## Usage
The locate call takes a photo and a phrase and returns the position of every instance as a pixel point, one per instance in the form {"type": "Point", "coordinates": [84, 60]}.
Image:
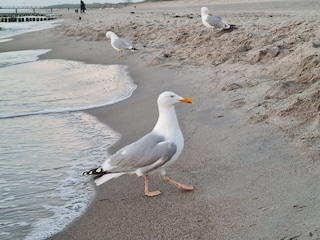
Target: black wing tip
{"type": "Point", "coordinates": [93, 171]}
{"type": "Point", "coordinates": [87, 173]}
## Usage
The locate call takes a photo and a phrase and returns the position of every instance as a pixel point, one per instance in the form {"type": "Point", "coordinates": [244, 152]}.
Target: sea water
{"type": "Point", "coordinates": [47, 141]}
{"type": "Point", "coordinates": [10, 29]}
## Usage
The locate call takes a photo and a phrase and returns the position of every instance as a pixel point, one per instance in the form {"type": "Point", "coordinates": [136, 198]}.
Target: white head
{"type": "Point", "coordinates": [204, 11]}
{"type": "Point", "coordinates": [168, 99]}
{"type": "Point", "coordinates": [167, 123]}
{"type": "Point", "coordinates": [110, 34]}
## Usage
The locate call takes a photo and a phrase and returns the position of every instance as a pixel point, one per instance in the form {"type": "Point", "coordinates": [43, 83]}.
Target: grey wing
{"type": "Point", "coordinates": [217, 22]}
{"type": "Point", "coordinates": [149, 150]}
{"type": "Point", "coordinates": [122, 44]}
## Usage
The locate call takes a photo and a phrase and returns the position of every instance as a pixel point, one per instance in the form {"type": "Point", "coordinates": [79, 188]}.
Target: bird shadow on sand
{"type": "Point", "coordinates": [224, 31]}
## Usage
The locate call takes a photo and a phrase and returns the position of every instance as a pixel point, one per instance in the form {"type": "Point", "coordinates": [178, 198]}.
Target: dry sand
{"type": "Point", "coordinates": [251, 137]}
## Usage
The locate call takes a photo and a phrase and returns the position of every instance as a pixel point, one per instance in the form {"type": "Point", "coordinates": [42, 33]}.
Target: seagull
{"type": "Point", "coordinates": [119, 44]}
{"type": "Point", "coordinates": [211, 21]}
{"type": "Point", "coordinates": [152, 153]}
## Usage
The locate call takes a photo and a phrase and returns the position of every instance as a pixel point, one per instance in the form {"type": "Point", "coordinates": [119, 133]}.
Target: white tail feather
{"type": "Point", "coordinates": [106, 178]}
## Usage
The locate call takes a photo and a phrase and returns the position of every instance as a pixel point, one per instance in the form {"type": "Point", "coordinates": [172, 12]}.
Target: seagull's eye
{"type": "Point", "coordinates": [171, 96]}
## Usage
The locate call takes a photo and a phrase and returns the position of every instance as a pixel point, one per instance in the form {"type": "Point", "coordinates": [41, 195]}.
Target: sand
{"type": "Point", "coordinates": [251, 137]}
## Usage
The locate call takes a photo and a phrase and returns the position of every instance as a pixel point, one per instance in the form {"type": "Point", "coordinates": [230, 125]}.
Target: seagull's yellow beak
{"type": "Point", "coordinates": [186, 100]}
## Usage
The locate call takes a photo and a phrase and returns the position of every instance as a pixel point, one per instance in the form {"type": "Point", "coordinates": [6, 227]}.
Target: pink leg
{"type": "Point", "coordinates": [146, 188]}
{"type": "Point", "coordinates": [178, 185]}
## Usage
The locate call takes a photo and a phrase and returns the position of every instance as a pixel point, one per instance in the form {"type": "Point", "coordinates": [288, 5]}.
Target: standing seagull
{"type": "Point", "coordinates": [119, 44]}
{"type": "Point", "coordinates": [211, 21]}
{"type": "Point", "coordinates": [151, 154]}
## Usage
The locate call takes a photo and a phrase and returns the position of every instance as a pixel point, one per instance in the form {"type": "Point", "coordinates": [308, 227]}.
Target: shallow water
{"type": "Point", "coordinates": [46, 142]}
{"type": "Point", "coordinates": [8, 30]}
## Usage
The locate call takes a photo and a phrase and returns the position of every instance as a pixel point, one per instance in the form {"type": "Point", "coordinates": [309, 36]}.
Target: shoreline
{"type": "Point", "coordinates": [251, 180]}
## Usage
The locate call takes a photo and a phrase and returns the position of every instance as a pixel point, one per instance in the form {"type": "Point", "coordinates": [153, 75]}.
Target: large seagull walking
{"type": "Point", "coordinates": [151, 154]}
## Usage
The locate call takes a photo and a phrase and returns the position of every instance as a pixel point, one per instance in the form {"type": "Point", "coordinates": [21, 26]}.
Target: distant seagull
{"type": "Point", "coordinates": [119, 44]}
{"type": "Point", "coordinates": [151, 154]}
{"type": "Point", "coordinates": [211, 21]}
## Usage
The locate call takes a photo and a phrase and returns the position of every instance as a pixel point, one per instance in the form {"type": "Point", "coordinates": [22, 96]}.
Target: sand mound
{"type": "Point", "coordinates": [274, 59]}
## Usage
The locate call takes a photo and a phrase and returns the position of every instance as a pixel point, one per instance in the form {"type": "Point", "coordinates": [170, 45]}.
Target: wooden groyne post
{"type": "Point", "coordinates": [21, 16]}
{"type": "Point", "coordinates": [13, 17]}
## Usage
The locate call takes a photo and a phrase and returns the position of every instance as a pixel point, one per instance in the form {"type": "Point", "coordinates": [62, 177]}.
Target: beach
{"type": "Point", "coordinates": [251, 136]}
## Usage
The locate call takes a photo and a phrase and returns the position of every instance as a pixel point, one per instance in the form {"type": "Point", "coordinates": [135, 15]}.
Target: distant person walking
{"type": "Point", "coordinates": [82, 7]}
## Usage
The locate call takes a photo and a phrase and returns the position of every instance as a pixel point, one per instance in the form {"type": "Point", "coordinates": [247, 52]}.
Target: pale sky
{"type": "Point", "coordinates": [35, 3]}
